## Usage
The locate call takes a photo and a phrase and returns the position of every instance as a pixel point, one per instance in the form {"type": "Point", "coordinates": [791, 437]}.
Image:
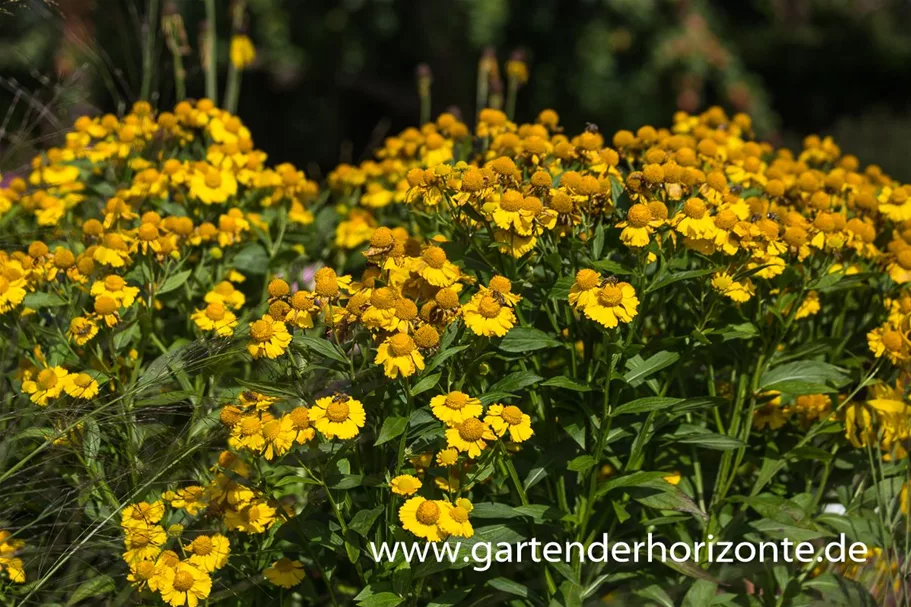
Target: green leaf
{"type": "Point", "coordinates": [392, 427]}
{"type": "Point", "coordinates": [672, 277]}
{"type": "Point", "coordinates": [633, 479]}
{"type": "Point", "coordinates": [252, 259]}
{"type": "Point", "coordinates": [515, 382]}
{"type": "Point", "coordinates": [37, 301]}
{"type": "Point", "coordinates": [567, 384]}
{"type": "Point", "coordinates": [363, 520]}
{"type": "Point", "coordinates": [382, 599]}
{"type": "Point", "coordinates": [646, 405]}
{"type": "Point", "coordinates": [708, 440]}
{"type": "Point", "coordinates": [442, 356]}
{"type": "Point", "coordinates": [612, 267]}
{"type": "Point", "coordinates": [173, 282]}
{"type": "Point", "coordinates": [662, 495]}
{"type": "Point", "coordinates": [639, 369]}
{"type": "Point", "coordinates": [527, 339]}
{"type": "Point", "coordinates": [598, 241]}
{"type": "Point", "coordinates": [657, 594]}
{"type": "Point", "coordinates": [321, 346]}
{"type": "Point", "coordinates": [803, 372]}
{"type": "Point", "coordinates": [700, 594]}
{"type": "Point", "coordinates": [581, 463]}
{"type": "Point", "coordinates": [425, 384]}
{"type": "Point", "coordinates": [508, 586]}
{"type": "Point", "coordinates": [91, 588]}
{"type": "Point", "coordinates": [451, 598]}
{"type": "Point", "coordinates": [561, 288]}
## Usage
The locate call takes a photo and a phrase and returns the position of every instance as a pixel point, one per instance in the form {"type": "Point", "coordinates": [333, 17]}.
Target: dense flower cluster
{"type": "Point", "coordinates": [474, 324]}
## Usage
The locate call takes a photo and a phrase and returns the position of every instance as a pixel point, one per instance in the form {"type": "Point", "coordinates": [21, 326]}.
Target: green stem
{"type": "Point", "coordinates": [151, 27]}
{"type": "Point", "coordinates": [212, 60]}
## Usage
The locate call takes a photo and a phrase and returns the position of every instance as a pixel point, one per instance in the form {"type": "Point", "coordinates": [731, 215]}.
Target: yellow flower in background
{"type": "Point", "coordinates": [252, 517]}
{"type": "Point", "coordinates": [81, 385]}
{"type": "Point", "coordinates": [13, 565]}
{"type": "Point", "coordinates": [809, 306]}
{"type": "Point", "coordinates": [399, 356]}
{"type": "Point", "coordinates": [183, 584]}
{"type": "Point", "coordinates": [338, 416]}
{"type": "Point", "coordinates": [285, 573]}
{"type": "Point", "coordinates": [636, 228]}
{"type": "Point", "coordinates": [210, 185]}
{"type": "Point", "coordinates": [242, 52]}
{"type": "Point", "coordinates": [193, 499]}
{"type": "Point", "coordinates": [300, 423]}
{"type": "Point", "coordinates": [141, 515]}
{"type": "Point", "coordinates": [279, 435]}
{"type": "Point", "coordinates": [509, 418]}
{"type": "Point", "coordinates": [405, 484]}
{"type": "Point", "coordinates": [82, 330]}
{"type": "Point", "coordinates": [455, 407]}
{"type": "Point", "coordinates": [11, 294]}
{"type": "Point", "coordinates": [486, 316]}
{"type": "Point", "coordinates": [614, 302]}
{"type": "Point", "coordinates": [47, 385]}
{"type": "Point", "coordinates": [737, 291]}
{"type": "Point", "coordinates": [454, 518]}
{"type": "Point", "coordinates": [269, 338]}
{"type": "Point", "coordinates": [215, 317]}
{"type": "Point", "coordinates": [117, 289]}
{"type": "Point", "coordinates": [434, 267]}
{"type": "Point", "coordinates": [420, 516]}
{"type": "Point", "coordinates": [143, 543]}
{"type": "Point", "coordinates": [209, 553]}
{"type": "Point", "coordinates": [471, 437]}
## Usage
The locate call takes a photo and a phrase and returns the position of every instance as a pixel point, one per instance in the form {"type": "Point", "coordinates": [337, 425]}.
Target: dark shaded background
{"type": "Point", "coordinates": [333, 78]}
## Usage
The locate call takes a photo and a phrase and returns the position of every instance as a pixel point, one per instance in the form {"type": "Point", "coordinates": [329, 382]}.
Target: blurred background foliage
{"type": "Point", "coordinates": [331, 79]}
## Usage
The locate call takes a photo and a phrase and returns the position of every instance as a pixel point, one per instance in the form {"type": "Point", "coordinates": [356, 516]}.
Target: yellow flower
{"type": "Point", "coordinates": [887, 341]}
{"type": "Point", "coordinates": [216, 318]}
{"type": "Point", "coordinates": [8, 549]}
{"type": "Point", "coordinates": [724, 283]}
{"type": "Point", "coordinates": [254, 517]}
{"type": "Point", "coordinates": [248, 433]}
{"type": "Point", "coordinates": [225, 293]}
{"type": "Point", "coordinates": [338, 416]}
{"type": "Point", "coordinates": [279, 435]}
{"type": "Point", "coordinates": [447, 457]}
{"type": "Point", "coordinates": [399, 356]}
{"type": "Point", "coordinates": [455, 407]}
{"type": "Point", "coordinates": [81, 385]}
{"type": "Point", "coordinates": [454, 518]}
{"type": "Point", "coordinates": [209, 553]}
{"type": "Point", "coordinates": [636, 228]}
{"type": "Point", "coordinates": [11, 294]}
{"type": "Point", "coordinates": [470, 437]}
{"type": "Point", "coordinates": [420, 516]}
{"type": "Point", "coordinates": [509, 418]}
{"type": "Point", "coordinates": [192, 499]}
{"type": "Point", "coordinates": [113, 251]}
{"type": "Point", "coordinates": [141, 515]}
{"type": "Point", "coordinates": [242, 52]}
{"type": "Point", "coordinates": [405, 484]}
{"type": "Point", "coordinates": [285, 573]}
{"type": "Point", "coordinates": [117, 289]}
{"type": "Point", "coordinates": [48, 385]}
{"type": "Point", "coordinates": [809, 306]}
{"type": "Point", "coordinates": [300, 423]}
{"type": "Point", "coordinates": [584, 291]}
{"type": "Point", "coordinates": [487, 317]}
{"type": "Point", "coordinates": [141, 573]}
{"type": "Point", "coordinates": [268, 337]}
{"type": "Point", "coordinates": [694, 221]}
{"type": "Point", "coordinates": [614, 303]}
{"type": "Point", "coordinates": [143, 543]}
{"type": "Point", "coordinates": [82, 330]}
{"type": "Point", "coordinates": [183, 585]}
{"type": "Point", "coordinates": [210, 185]}
{"type": "Point", "coordinates": [433, 267]}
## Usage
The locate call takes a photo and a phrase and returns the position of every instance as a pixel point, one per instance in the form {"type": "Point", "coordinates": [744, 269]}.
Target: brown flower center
{"type": "Point", "coordinates": [215, 311]}
{"type": "Point", "coordinates": [694, 208]}
{"type": "Point", "coordinates": [456, 400]}
{"type": "Point", "coordinates": [183, 581]}
{"type": "Point", "coordinates": [203, 546]}
{"type": "Point", "coordinates": [489, 307]}
{"type": "Point", "coordinates": [587, 279]}
{"type": "Point", "coordinates": [512, 415]}
{"type": "Point", "coordinates": [401, 344]}
{"type": "Point", "coordinates": [250, 426]}
{"type": "Point", "coordinates": [113, 283]}
{"type": "Point", "coordinates": [892, 340]}
{"type": "Point", "coordinates": [471, 430]}
{"type": "Point", "coordinates": [428, 513]}
{"type": "Point", "coordinates": [459, 514]}
{"type": "Point", "coordinates": [337, 412]}
{"type": "Point", "coordinates": [639, 215]}
{"type": "Point", "coordinates": [435, 257]}
{"type": "Point", "coordinates": [261, 330]}
{"type": "Point", "coordinates": [610, 295]}
{"type": "Point", "coordinates": [47, 379]}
